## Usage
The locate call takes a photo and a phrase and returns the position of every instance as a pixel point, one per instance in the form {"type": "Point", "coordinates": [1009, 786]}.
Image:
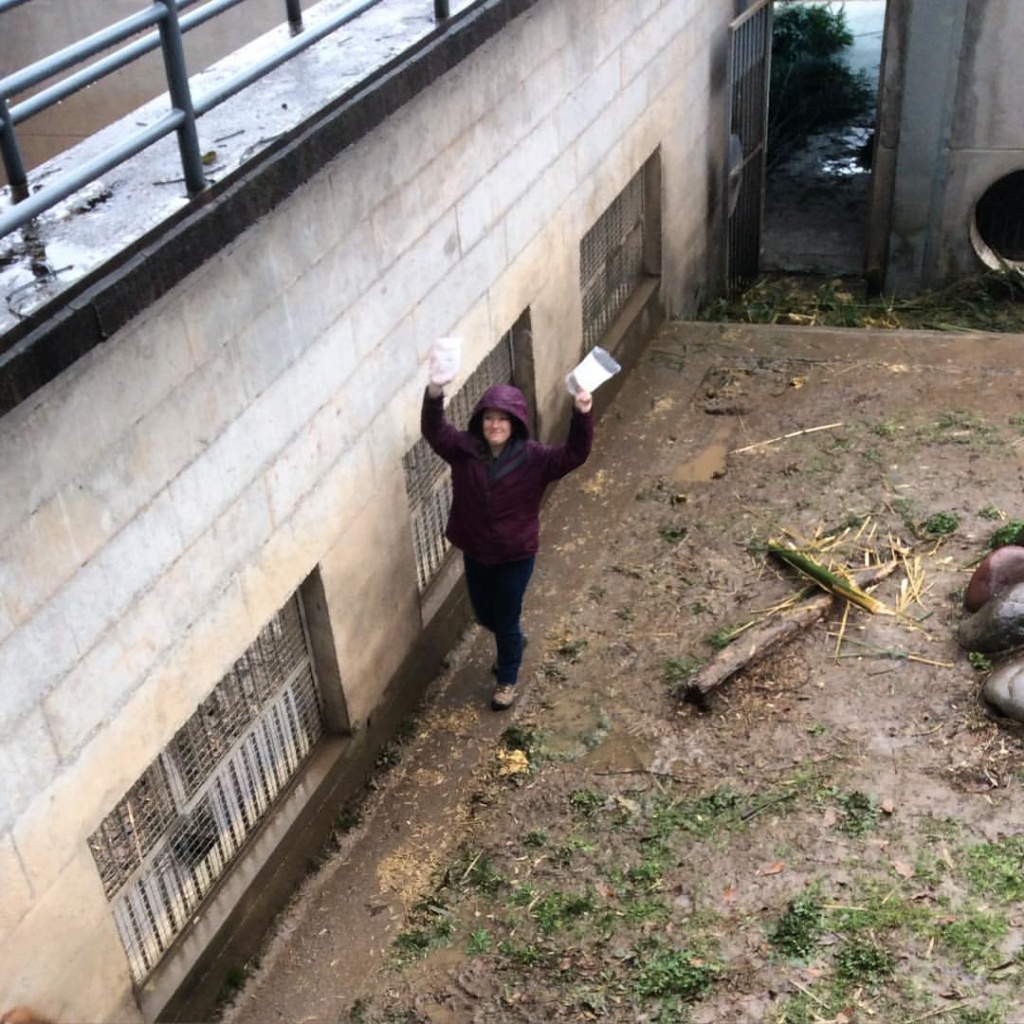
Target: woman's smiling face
{"type": "Point", "coordinates": [497, 426]}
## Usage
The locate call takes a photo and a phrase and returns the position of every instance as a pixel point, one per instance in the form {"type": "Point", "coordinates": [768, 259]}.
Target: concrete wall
{"type": "Point", "coordinates": [950, 127]}
{"type": "Point", "coordinates": [39, 29]}
{"type": "Point", "coordinates": [165, 495]}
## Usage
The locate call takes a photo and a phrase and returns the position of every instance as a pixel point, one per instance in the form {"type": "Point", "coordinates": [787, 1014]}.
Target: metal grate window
{"type": "Point", "coordinates": [428, 483]}
{"type": "Point", "coordinates": [162, 848]}
{"type": "Point", "coordinates": [612, 260]}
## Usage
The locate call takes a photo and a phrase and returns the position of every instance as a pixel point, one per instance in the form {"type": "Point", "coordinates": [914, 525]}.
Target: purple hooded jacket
{"type": "Point", "coordinates": [495, 514]}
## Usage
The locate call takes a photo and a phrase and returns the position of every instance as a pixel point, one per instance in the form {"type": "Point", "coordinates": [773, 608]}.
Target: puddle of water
{"type": "Point", "coordinates": [707, 465]}
{"type": "Point", "coordinates": [577, 727]}
{"type": "Point", "coordinates": [619, 752]}
{"type": "Point", "coordinates": [573, 725]}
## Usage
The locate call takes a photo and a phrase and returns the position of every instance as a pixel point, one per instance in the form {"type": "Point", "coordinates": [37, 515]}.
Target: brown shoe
{"type": "Point", "coordinates": [504, 696]}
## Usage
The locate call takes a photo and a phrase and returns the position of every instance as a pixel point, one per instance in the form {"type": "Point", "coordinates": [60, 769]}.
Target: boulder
{"type": "Point", "coordinates": [1004, 690]}
{"type": "Point", "coordinates": [997, 626]}
{"type": "Point", "coordinates": [998, 571]}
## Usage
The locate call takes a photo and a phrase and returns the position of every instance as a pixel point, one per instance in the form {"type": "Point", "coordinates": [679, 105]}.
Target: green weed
{"type": "Point", "coordinates": [673, 534]}
{"type": "Point", "coordinates": [981, 1015]}
{"type": "Point", "coordinates": [860, 813]}
{"type": "Point", "coordinates": [557, 909]}
{"type": "Point", "coordinates": [348, 818]}
{"type": "Point", "coordinates": [975, 937]}
{"type": "Point", "coordinates": [997, 869]}
{"type": "Point", "coordinates": [862, 962]}
{"type": "Point", "coordinates": [700, 816]}
{"type": "Point", "coordinates": [522, 955]}
{"type": "Point", "coordinates": [476, 872]}
{"type": "Point", "coordinates": [680, 973]}
{"type": "Point", "coordinates": [571, 650]}
{"type": "Point", "coordinates": [585, 802]}
{"type": "Point", "coordinates": [415, 943]}
{"type": "Point", "coordinates": [978, 661]}
{"type": "Point", "coordinates": [679, 670]}
{"type": "Point", "coordinates": [941, 524]}
{"type": "Point", "coordinates": [797, 932]}
{"type": "Point", "coordinates": [1009, 533]}
{"type": "Point", "coordinates": [479, 942]}
{"type": "Point", "coordinates": [723, 637]}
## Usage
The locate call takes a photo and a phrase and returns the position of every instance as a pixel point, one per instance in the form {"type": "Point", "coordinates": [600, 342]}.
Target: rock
{"type": "Point", "coordinates": [998, 571]}
{"type": "Point", "coordinates": [997, 626]}
{"type": "Point", "coordinates": [1004, 690]}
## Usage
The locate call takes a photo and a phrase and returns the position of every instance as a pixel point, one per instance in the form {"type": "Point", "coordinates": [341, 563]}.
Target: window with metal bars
{"type": "Point", "coordinates": [612, 260]}
{"type": "Point", "coordinates": [428, 483]}
{"type": "Point", "coordinates": [163, 847]}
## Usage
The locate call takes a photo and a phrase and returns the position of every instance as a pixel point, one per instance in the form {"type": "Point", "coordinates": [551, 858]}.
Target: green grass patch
{"type": "Point", "coordinates": [997, 869]}
{"type": "Point", "coordinates": [859, 813]}
{"type": "Point", "coordinates": [682, 973]}
{"type": "Point", "coordinates": [1011, 532]}
{"type": "Point", "coordinates": [796, 934]}
{"type": "Point", "coordinates": [679, 670]}
{"type": "Point", "coordinates": [415, 943]}
{"type": "Point", "coordinates": [479, 941]}
{"type": "Point", "coordinates": [558, 909]}
{"type": "Point", "coordinates": [866, 963]}
{"type": "Point", "coordinates": [974, 936]}
{"type": "Point", "coordinates": [941, 524]}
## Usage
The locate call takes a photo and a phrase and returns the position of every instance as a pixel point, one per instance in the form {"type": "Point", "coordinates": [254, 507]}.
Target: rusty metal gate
{"type": "Point", "coordinates": [750, 48]}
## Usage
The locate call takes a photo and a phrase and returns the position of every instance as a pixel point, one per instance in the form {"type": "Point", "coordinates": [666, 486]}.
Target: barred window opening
{"type": "Point", "coordinates": [428, 484]}
{"type": "Point", "coordinates": [612, 260]}
{"type": "Point", "coordinates": [164, 846]}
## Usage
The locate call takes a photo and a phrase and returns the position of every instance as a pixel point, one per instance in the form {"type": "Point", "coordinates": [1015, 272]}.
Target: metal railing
{"type": "Point", "coordinates": [185, 109]}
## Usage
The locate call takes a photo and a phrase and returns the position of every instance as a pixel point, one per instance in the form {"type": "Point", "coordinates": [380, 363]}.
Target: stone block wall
{"type": "Point", "coordinates": [166, 495]}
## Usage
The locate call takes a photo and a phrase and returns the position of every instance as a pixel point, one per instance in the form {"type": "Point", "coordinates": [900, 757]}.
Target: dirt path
{"type": "Point", "coordinates": [834, 838]}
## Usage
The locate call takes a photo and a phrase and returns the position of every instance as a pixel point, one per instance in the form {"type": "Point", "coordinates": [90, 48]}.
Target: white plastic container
{"type": "Point", "coordinates": [445, 359]}
{"type": "Point", "coordinates": [597, 367]}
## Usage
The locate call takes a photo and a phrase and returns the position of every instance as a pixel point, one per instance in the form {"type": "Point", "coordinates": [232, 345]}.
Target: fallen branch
{"type": "Point", "coordinates": [760, 641]}
{"type": "Point", "coordinates": [783, 437]}
{"type": "Point", "coordinates": [826, 579]}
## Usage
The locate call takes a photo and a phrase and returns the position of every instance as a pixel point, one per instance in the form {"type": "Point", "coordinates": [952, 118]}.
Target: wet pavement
{"type": "Point", "coordinates": [87, 230]}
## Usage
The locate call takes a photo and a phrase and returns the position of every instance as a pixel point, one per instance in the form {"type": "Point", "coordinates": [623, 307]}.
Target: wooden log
{"type": "Point", "coordinates": [758, 642]}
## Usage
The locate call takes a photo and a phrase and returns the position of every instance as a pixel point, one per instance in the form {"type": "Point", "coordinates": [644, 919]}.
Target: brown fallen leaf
{"type": "Point", "coordinates": [730, 893]}
{"type": "Point", "coordinates": [903, 869]}
{"type": "Point", "coordinates": [773, 869]}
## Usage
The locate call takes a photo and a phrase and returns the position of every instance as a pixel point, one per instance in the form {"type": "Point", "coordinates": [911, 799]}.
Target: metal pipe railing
{"type": "Point", "coordinates": [185, 109]}
{"type": "Point", "coordinates": [225, 91]}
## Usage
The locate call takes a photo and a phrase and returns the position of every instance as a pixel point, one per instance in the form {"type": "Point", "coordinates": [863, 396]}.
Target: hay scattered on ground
{"type": "Point", "coordinates": [989, 301]}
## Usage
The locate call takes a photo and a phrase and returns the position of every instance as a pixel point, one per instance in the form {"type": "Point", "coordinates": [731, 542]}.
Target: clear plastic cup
{"type": "Point", "coordinates": [445, 358]}
{"type": "Point", "coordinates": [597, 367]}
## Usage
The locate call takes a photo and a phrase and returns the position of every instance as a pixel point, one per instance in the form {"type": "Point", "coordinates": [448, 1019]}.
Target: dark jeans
{"type": "Point", "coordinates": [497, 595]}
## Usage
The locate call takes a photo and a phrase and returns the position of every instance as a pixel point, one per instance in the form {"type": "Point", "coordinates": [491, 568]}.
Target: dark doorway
{"type": "Point", "coordinates": [816, 193]}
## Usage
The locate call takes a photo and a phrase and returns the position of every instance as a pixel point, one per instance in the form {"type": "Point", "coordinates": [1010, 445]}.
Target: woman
{"type": "Point", "coordinates": [498, 480]}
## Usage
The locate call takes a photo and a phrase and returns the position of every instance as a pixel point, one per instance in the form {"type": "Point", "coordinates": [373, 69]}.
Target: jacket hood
{"type": "Point", "coordinates": [509, 400]}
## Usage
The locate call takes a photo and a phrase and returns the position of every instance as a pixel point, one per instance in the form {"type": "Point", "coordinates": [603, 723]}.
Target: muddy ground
{"type": "Point", "coordinates": [834, 836]}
